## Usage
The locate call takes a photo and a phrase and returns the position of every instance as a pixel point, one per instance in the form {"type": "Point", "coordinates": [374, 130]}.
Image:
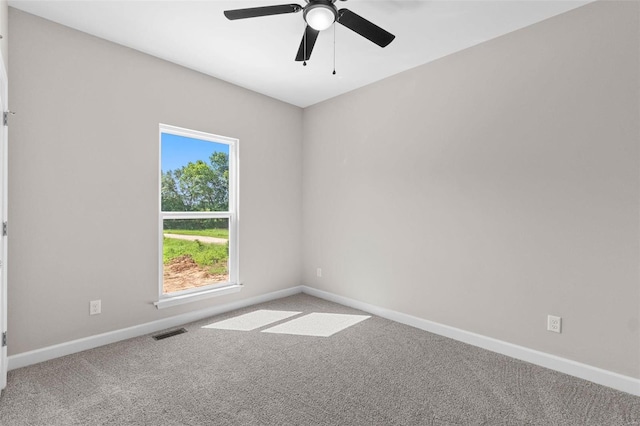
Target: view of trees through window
{"type": "Point", "coordinates": [195, 219]}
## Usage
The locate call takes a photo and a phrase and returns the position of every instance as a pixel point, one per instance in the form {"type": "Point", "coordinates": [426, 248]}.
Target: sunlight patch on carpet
{"type": "Point", "coordinates": [317, 324]}
{"type": "Point", "coordinates": [252, 320]}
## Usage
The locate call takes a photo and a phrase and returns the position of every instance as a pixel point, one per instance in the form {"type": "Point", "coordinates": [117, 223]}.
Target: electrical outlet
{"type": "Point", "coordinates": [554, 324]}
{"type": "Point", "coordinates": [95, 307]}
{"type": "Point", "coordinates": [319, 272]}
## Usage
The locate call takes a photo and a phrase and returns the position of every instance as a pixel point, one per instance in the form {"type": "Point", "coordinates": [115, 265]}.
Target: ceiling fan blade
{"type": "Point", "coordinates": [365, 28]}
{"type": "Point", "coordinates": [254, 12]}
{"type": "Point", "coordinates": [310, 36]}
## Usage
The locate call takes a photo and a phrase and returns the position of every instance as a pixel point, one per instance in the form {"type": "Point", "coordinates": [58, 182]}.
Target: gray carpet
{"type": "Point", "coordinates": [376, 372]}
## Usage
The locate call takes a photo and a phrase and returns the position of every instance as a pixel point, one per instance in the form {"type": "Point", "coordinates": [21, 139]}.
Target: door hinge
{"type": "Point", "coordinates": [4, 338]}
{"type": "Point", "coordinates": [5, 117]}
{"type": "Point", "coordinates": [4, 229]}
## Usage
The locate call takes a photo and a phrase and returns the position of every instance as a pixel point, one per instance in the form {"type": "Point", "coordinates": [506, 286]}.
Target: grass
{"type": "Point", "coordinates": [211, 256]}
{"type": "Point", "coordinates": [218, 233]}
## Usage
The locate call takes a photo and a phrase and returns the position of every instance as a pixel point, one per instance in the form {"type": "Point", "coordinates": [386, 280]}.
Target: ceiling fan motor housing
{"type": "Point", "coordinates": [320, 14]}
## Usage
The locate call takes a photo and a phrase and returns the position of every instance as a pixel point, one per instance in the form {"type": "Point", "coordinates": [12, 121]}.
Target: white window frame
{"type": "Point", "coordinates": [216, 289]}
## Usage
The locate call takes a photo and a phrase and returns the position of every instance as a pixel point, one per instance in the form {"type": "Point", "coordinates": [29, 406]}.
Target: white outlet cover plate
{"type": "Point", "coordinates": [554, 323]}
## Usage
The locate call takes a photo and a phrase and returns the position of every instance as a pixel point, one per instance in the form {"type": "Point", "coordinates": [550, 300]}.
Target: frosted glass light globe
{"type": "Point", "coordinates": [320, 17]}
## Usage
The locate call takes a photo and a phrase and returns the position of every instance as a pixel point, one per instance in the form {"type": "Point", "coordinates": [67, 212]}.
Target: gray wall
{"type": "Point", "coordinates": [4, 31]}
{"type": "Point", "coordinates": [491, 188]}
{"type": "Point", "coordinates": [84, 181]}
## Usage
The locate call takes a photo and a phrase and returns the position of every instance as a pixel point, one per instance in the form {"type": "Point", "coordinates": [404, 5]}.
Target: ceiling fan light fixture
{"type": "Point", "coordinates": [320, 16]}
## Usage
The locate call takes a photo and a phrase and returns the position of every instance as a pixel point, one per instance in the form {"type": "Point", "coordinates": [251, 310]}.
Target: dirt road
{"type": "Point", "coordinates": [201, 238]}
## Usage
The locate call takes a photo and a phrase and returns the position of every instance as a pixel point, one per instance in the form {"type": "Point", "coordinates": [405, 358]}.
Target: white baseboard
{"type": "Point", "coordinates": [594, 374]}
{"type": "Point", "coordinates": [583, 371]}
{"type": "Point", "coordinates": [44, 354]}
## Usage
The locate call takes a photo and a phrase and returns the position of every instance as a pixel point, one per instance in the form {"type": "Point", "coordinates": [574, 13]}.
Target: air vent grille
{"type": "Point", "coordinates": [169, 334]}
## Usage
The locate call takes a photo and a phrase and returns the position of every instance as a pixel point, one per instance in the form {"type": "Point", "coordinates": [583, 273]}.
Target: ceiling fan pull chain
{"type": "Point", "coordinates": [334, 48]}
{"type": "Point", "coordinates": [304, 62]}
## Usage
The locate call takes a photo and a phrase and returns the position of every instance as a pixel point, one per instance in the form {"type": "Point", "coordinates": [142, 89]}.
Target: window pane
{"type": "Point", "coordinates": [195, 174]}
{"type": "Point", "coordinates": [195, 253]}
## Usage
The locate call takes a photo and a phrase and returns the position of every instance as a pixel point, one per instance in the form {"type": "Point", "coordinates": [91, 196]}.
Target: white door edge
{"type": "Point", "coordinates": [4, 103]}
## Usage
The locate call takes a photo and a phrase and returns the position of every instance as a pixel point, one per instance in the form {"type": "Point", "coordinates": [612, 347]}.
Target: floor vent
{"type": "Point", "coordinates": [169, 334]}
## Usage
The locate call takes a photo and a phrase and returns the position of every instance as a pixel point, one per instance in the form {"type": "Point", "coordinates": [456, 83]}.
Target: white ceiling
{"type": "Point", "coordinates": [258, 53]}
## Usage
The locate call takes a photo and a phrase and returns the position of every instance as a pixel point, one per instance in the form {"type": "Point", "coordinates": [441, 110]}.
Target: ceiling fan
{"type": "Point", "coordinates": [319, 15]}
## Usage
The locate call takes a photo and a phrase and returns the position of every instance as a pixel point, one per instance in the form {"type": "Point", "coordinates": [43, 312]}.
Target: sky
{"type": "Point", "coordinates": [178, 151]}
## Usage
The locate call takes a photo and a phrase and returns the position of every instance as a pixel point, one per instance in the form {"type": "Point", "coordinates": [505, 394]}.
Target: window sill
{"type": "Point", "coordinates": [193, 297]}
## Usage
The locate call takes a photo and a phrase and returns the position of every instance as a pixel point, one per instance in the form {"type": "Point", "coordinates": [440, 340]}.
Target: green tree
{"type": "Point", "coordinates": [171, 199]}
{"type": "Point", "coordinates": [198, 186]}
{"type": "Point", "coordinates": [195, 183]}
{"type": "Point", "coordinates": [220, 183]}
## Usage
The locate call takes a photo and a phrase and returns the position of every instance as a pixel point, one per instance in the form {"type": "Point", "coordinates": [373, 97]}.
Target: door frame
{"type": "Point", "coordinates": [4, 165]}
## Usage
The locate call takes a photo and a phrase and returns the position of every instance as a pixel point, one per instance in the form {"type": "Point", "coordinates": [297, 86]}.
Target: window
{"type": "Point", "coordinates": [198, 215]}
